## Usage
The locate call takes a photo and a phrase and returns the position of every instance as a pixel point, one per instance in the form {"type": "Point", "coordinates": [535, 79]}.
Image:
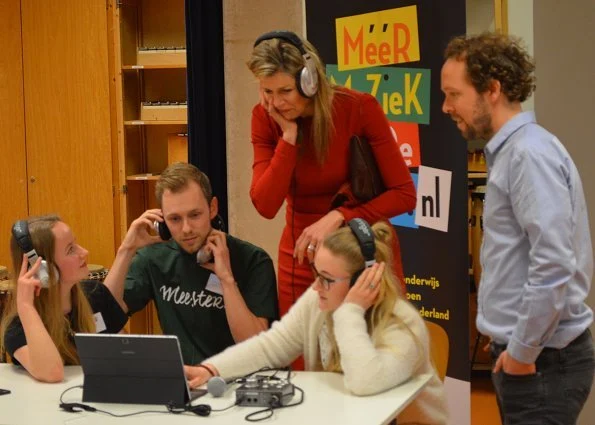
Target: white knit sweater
{"type": "Point", "coordinates": [366, 370]}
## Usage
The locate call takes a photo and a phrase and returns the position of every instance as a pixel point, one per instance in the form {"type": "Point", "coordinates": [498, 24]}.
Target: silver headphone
{"type": "Point", "coordinates": [307, 78]}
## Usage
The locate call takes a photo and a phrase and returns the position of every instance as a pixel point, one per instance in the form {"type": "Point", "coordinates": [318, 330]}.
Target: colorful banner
{"type": "Point", "coordinates": [378, 38]}
{"type": "Point", "coordinates": [404, 93]}
{"type": "Point", "coordinates": [393, 50]}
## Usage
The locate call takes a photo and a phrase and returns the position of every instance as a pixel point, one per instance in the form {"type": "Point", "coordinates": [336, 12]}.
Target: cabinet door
{"type": "Point", "coordinates": [67, 114]}
{"type": "Point", "coordinates": [13, 171]}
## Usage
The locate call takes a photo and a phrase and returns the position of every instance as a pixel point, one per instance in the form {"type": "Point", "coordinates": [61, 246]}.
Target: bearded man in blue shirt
{"type": "Point", "coordinates": [536, 255]}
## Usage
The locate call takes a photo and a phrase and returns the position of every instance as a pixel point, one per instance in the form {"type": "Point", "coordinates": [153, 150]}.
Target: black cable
{"type": "Point", "coordinates": [79, 407]}
{"type": "Point", "coordinates": [200, 409]}
{"type": "Point", "coordinates": [293, 190]}
{"type": "Point", "coordinates": [195, 408]}
{"type": "Point", "coordinates": [271, 409]}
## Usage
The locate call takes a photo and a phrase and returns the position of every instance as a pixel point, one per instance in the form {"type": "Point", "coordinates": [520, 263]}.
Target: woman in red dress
{"type": "Point", "coordinates": [300, 134]}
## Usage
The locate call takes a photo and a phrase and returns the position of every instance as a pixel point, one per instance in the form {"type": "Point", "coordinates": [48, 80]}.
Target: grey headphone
{"type": "Point", "coordinates": [306, 79]}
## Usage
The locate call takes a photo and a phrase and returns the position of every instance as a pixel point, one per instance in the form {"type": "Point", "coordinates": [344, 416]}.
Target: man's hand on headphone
{"type": "Point", "coordinates": [217, 243]}
{"type": "Point", "coordinates": [138, 234]}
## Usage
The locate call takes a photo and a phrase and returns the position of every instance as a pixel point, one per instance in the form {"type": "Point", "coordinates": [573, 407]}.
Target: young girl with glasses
{"type": "Point", "coordinates": [365, 331]}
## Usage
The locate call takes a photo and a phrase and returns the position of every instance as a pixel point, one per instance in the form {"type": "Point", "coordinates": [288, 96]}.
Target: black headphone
{"type": "Point", "coordinates": [20, 231]}
{"type": "Point", "coordinates": [365, 238]}
{"type": "Point", "coordinates": [306, 80]}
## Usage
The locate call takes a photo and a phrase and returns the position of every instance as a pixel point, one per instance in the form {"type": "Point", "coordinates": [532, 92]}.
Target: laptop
{"type": "Point", "coordinates": [137, 369]}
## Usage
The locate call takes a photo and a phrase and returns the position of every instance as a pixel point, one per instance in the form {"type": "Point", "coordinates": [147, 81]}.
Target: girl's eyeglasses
{"type": "Point", "coordinates": [325, 281]}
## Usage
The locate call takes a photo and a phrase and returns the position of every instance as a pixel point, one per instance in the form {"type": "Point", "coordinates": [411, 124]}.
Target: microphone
{"type": "Point", "coordinates": [216, 386]}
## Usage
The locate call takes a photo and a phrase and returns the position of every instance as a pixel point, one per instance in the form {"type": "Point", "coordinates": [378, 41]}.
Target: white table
{"type": "Point", "coordinates": [326, 402]}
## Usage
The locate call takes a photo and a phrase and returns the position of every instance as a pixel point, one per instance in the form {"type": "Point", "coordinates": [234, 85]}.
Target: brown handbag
{"type": "Point", "coordinates": [365, 180]}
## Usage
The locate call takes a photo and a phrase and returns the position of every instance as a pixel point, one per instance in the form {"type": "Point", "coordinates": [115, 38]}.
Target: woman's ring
{"type": "Point", "coordinates": [311, 247]}
{"type": "Point", "coordinates": [372, 286]}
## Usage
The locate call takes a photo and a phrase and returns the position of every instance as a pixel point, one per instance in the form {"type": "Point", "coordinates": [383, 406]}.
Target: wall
{"type": "Point", "coordinates": [565, 97]}
{"type": "Point", "coordinates": [520, 24]}
{"type": "Point", "coordinates": [480, 16]}
{"type": "Point", "coordinates": [243, 22]}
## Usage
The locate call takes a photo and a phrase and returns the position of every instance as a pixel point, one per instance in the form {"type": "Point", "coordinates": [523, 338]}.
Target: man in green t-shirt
{"type": "Point", "coordinates": [208, 305]}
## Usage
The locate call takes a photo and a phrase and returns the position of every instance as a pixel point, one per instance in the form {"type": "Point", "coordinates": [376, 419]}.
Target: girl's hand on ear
{"type": "Point", "coordinates": [367, 287]}
{"type": "Point", "coordinates": [28, 285]}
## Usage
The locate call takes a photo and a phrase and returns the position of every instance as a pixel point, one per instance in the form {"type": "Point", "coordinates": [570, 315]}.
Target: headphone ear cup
{"type": "Point", "coordinates": [298, 83]}
{"type": "Point", "coordinates": [163, 230]}
{"type": "Point", "coordinates": [217, 223]}
{"type": "Point", "coordinates": [354, 278]}
{"type": "Point", "coordinates": [307, 81]}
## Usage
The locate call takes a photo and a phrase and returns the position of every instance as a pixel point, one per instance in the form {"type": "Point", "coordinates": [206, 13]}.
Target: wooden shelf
{"type": "Point", "coordinates": [154, 122]}
{"type": "Point", "coordinates": [164, 66]}
{"type": "Point", "coordinates": [477, 175]}
{"type": "Point", "coordinates": [150, 62]}
{"type": "Point", "coordinates": [163, 113]}
{"type": "Point", "coordinates": [142, 177]}
{"type": "Point", "coordinates": [161, 57]}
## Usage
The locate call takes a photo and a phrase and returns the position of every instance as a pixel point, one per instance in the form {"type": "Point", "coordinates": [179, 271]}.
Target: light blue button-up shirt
{"type": "Point", "coordinates": [536, 254]}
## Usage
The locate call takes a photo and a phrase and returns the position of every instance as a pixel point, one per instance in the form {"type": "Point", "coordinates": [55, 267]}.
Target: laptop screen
{"type": "Point", "coordinates": [138, 369]}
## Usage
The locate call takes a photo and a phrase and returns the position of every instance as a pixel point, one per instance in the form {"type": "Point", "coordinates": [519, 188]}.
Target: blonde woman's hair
{"type": "Point", "coordinates": [381, 315]}
{"type": "Point", "coordinates": [278, 55]}
{"type": "Point", "coordinates": [48, 303]}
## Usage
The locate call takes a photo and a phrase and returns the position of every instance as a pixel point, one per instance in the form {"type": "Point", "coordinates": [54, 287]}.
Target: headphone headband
{"type": "Point", "coordinates": [20, 231]}
{"type": "Point", "coordinates": [365, 237]}
{"type": "Point", "coordinates": [288, 36]}
{"type": "Point", "coordinates": [307, 77]}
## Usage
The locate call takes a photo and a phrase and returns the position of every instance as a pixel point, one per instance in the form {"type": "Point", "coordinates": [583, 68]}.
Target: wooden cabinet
{"type": "Point", "coordinates": [56, 123]}
{"type": "Point", "coordinates": [13, 172]}
{"type": "Point", "coordinates": [151, 108]}
{"type": "Point", "coordinates": [151, 104]}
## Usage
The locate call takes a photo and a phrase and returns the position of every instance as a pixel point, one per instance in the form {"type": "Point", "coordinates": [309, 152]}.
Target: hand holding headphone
{"type": "Point", "coordinates": [367, 286]}
{"type": "Point", "coordinates": [365, 283]}
{"type": "Point", "coordinates": [29, 285]}
{"type": "Point", "coordinates": [139, 232]}
{"type": "Point", "coordinates": [216, 244]}
{"type": "Point", "coordinates": [20, 232]}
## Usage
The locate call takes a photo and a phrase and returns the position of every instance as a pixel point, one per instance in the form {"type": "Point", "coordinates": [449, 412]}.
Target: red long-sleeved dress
{"type": "Point", "coordinates": [284, 171]}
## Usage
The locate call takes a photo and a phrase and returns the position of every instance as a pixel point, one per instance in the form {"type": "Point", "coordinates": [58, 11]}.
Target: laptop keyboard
{"type": "Point", "coordinates": [196, 393]}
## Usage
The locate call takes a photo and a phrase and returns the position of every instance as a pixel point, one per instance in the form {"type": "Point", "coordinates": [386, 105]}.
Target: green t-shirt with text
{"type": "Point", "coordinates": [188, 297]}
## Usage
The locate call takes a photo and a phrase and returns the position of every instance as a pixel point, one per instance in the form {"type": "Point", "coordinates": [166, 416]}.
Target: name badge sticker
{"type": "Point", "coordinates": [214, 284]}
{"type": "Point", "coordinates": [99, 323]}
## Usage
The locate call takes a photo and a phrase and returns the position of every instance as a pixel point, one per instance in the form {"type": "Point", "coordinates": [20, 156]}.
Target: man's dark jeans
{"type": "Point", "coordinates": [555, 394]}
